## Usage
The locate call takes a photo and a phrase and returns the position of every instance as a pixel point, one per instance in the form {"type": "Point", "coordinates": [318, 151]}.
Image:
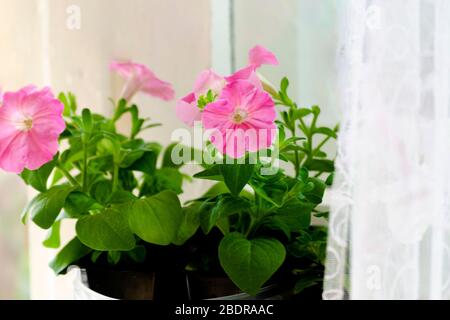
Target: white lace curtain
{"type": "Point", "coordinates": [389, 235]}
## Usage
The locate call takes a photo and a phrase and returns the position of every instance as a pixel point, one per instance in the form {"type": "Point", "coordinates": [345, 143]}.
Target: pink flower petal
{"type": "Point", "coordinates": [160, 89]}
{"type": "Point", "coordinates": [140, 78]}
{"type": "Point", "coordinates": [248, 73]}
{"type": "Point", "coordinates": [260, 55]}
{"type": "Point", "coordinates": [41, 148]}
{"type": "Point", "coordinates": [13, 156]}
{"type": "Point", "coordinates": [187, 110]}
{"type": "Point", "coordinates": [216, 115]}
{"type": "Point", "coordinates": [208, 80]}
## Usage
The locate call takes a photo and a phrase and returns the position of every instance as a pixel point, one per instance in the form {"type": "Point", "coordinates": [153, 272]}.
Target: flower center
{"type": "Point", "coordinates": [239, 116]}
{"type": "Point", "coordinates": [26, 124]}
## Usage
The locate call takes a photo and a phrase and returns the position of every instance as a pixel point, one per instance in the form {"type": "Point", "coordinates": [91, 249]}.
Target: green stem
{"type": "Point", "coordinates": [258, 204]}
{"type": "Point", "coordinates": [250, 227]}
{"type": "Point", "coordinates": [69, 177]}
{"type": "Point", "coordinates": [297, 157]}
{"type": "Point", "coordinates": [318, 174]}
{"type": "Point", "coordinates": [85, 167]}
{"type": "Point", "coordinates": [115, 177]}
{"type": "Point", "coordinates": [320, 145]}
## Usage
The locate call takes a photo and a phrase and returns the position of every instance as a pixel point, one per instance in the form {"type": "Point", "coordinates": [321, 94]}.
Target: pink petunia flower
{"type": "Point", "coordinates": [140, 78]}
{"type": "Point", "coordinates": [242, 119]}
{"type": "Point", "coordinates": [257, 57]}
{"type": "Point", "coordinates": [187, 109]}
{"type": "Point", "coordinates": [30, 124]}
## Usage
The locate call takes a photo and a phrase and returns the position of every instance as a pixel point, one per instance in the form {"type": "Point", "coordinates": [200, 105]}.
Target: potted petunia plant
{"type": "Point", "coordinates": [122, 197]}
{"type": "Point", "coordinates": [250, 235]}
{"type": "Point", "coordinates": [255, 235]}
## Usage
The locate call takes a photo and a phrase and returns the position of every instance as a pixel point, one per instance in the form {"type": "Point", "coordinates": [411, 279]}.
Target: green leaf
{"type": "Point", "coordinates": [130, 157]}
{"type": "Point", "coordinates": [213, 173]}
{"type": "Point", "coordinates": [250, 263]}
{"type": "Point", "coordinates": [315, 110]}
{"type": "Point", "coordinates": [72, 102]}
{"type": "Point", "coordinates": [156, 219]}
{"type": "Point", "coordinates": [120, 197]}
{"type": "Point", "coordinates": [284, 84]}
{"type": "Point", "coordinates": [306, 282]}
{"type": "Point", "coordinates": [78, 204]}
{"type": "Point", "coordinates": [38, 178]}
{"type": "Point", "coordinates": [236, 176]}
{"type": "Point", "coordinates": [114, 257]}
{"type": "Point", "coordinates": [273, 223]}
{"type": "Point", "coordinates": [95, 255]}
{"type": "Point", "coordinates": [189, 225]}
{"type": "Point", "coordinates": [136, 122]}
{"type": "Point", "coordinates": [46, 206]}
{"type": "Point", "coordinates": [226, 206]}
{"type": "Point", "coordinates": [302, 112]}
{"type": "Point", "coordinates": [106, 231]}
{"type": "Point", "coordinates": [296, 214]}
{"type": "Point", "coordinates": [263, 194]}
{"type": "Point", "coordinates": [326, 131]}
{"type": "Point", "coordinates": [217, 189]}
{"type": "Point", "coordinates": [71, 253]}
{"type": "Point", "coordinates": [88, 124]}
{"type": "Point", "coordinates": [315, 195]}
{"type": "Point", "coordinates": [62, 97]}
{"type": "Point", "coordinates": [146, 163]}
{"type": "Point", "coordinates": [101, 191]}
{"type": "Point", "coordinates": [167, 158]}
{"type": "Point", "coordinates": [329, 180]}
{"type": "Point", "coordinates": [52, 240]}
{"type": "Point", "coordinates": [163, 179]}
{"type": "Point", "coordinates": [320, 165]}
{"type": "Point", "coordinates": [138, 254]}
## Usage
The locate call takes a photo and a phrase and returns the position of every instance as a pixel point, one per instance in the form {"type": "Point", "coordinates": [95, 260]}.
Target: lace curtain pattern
{"type": "Point", "coordinates": [389, 233]}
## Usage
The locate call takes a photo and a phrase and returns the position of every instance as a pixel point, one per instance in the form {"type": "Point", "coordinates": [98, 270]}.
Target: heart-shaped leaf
{"type": "Point", "coordinates": [46, 206]}
{"type": "Point", "coordinates": [250, 263]}
{"type": "Point", "coordinates": [156, 219]}
{"type": "Point", "coordinates": [38, 178]}
{"type": "Point", "coordinates": [106, 231]}
{"type": "Point", "coordinates": [236, 176]}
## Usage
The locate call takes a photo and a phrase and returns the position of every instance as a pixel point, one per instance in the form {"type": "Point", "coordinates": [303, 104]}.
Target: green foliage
{"type": "Point", "coordinates": [236, 176]}
{"type": "Point", "coordinates": [106, 231]}
{"type": "Point", "coordinates": [156, 219]}
{"type": "Point", "coordinates": [250, 263]}
{"type": "Point", "coordinates": [38, 178]}
{"type": "Point", "coordinates": [189, 224]}
{"type": "Point", "coordinates": [70, 254]}
{"type": "Point", "coordinates": [46, 206]}
{"type": "Point", "coordinates": [272, 223]}
{"type": "Point", "coordinates": [112, 185]}
{"type": "Point", "coordinates": [204, 100]}
{"type": "Point", "coordinates": [122, 192]}
{"type": "Point", "coordinates": [53, 240]}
